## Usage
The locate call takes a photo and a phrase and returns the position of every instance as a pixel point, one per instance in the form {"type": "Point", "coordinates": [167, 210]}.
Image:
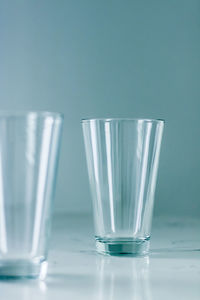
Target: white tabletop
{"type": "Point", "coordinates": [76, 271]}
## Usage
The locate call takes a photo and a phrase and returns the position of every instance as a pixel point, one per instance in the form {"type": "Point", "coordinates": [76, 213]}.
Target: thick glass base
{"type": "Point", "coordinates": [16, 269]}
{"type": "Point", "coordinates": [134, 247]}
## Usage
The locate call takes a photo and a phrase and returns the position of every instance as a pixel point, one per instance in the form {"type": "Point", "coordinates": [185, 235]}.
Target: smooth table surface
{"type": "Point", "coordinates": [76, 271]}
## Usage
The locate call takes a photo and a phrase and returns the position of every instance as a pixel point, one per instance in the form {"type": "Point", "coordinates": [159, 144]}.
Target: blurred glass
{"type": "Point", "coordinates": [29, 145]}
{"type": "Point", "coordinates": [122, 158]}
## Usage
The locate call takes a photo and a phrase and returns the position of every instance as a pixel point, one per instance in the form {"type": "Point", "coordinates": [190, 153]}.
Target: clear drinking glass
{"type": "Point", "coordinates": [29, 144]}
{"type": "Point", "coordinates": [122, 158]}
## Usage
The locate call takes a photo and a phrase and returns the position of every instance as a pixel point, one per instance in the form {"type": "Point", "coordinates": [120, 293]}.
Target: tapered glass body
{"type": "Point", "coordinates": [122, 158]}
{"type": "Point", "coordinates": [29, 145]}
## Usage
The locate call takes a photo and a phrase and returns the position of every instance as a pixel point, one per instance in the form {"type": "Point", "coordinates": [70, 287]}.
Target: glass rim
{"type": "Point", "coordinates": [122, 119]}
{"type": "Point", "coordinates": [25, 113]}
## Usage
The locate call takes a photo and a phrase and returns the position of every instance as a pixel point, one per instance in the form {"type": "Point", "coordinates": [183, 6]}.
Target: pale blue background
{"type": "Point", "coordinates": [92, 58]}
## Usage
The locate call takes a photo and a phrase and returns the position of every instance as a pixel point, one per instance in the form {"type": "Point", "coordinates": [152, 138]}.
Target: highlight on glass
{"type": "Point", "coordinates": [122, 159]}
{"type": "Point", "coordinates": [29, 148]}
